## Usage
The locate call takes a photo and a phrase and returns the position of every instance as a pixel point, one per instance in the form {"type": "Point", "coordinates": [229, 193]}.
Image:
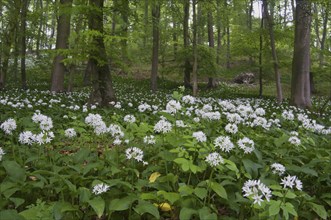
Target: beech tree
{"type": "Point", "coordinates": [300, 89]}
{"type": "Point", "coordinates": [156, 43]}
{"type": "Point", "coordinates": [63, 32]}
{"type": "Point", "coordinates": [102, 86]}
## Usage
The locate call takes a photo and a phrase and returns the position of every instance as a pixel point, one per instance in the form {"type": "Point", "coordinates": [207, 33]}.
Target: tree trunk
{"type": "Point", "coordinates": [125, 9]}
{"type": "Point", "coordinates": [260, 55]}
{"type": "Point", "coordinates": [156, 42]}
{"type": "Point", "coordinates": [187, 66]}
{"type": "Point", "coordinates": [24, 12]}
{"type": "Point", "coordinates": [62, 36]}
{"type": "Point", "coordinates": [228, 56]}
{"type": "Point", "coordinates": [324, 33]}
{"type": "Point", "coordinates": [41, 21]}
{"type": "Point", "coordinates": [270, 23]}
{"type": "Point", "coordinates": [211, 80]}
{"type": "Point", "coordinates": [300, 90]}
{"type": "Point", "coordinates": [145, 22]}
{"type": "Point", "coordinates": [218, 27]}
{"type": "Point", "coordinates": [102, 91]}
{"type": "Point", "coordinates": [195, 52]}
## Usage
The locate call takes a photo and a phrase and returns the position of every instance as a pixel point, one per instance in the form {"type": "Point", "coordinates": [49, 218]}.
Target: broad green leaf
{"type": "Point", "coordinates": [319, 210]}
{"type": "Point", "coordinates": [172, 197]}
{"type": "Point", "coordinates": [274, 207]}
{"type": "Point", "coordinates": [204, 214]}
{"type": "Point", "coordinates": [185, 190]}
{"type": "Point", "coordinates": [187, 213]}
{"type": "Point", "coordinates": [219, 190]}
{"type": "Point", "coordinates": [84, 194]}
{"type": "Point", "coordinates": [200, 192]}
{"type": "Point", "coordinates": [121, 204]}
{"type": "Point", "coordinates": [290, 195]}
{"type": "Point", "coordinates": [289, 208]}
{"type": "Point", "coordinates": [17, 201]}
{"type": "Point", "coordinates": [148, 196]}
{"type": "Point", "coordinates": [61, 207]}
{"type": "Point", "coordinates": [251, 167]}
{"type": "Point", "coordinates": [14, 170]}
{"type": "Point", "coordinates": [10, 215]}
{"type": "Point", "coordinates": [98, 205]}
{"type": "Point", "coordinates": [147, 207]}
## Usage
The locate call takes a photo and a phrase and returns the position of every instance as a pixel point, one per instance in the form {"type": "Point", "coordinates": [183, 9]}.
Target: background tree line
{"type": "Point", "coordinates": [186, 40]}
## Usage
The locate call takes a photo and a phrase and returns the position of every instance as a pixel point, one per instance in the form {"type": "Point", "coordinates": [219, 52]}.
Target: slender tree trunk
{"type": "Point", "coordinates": [293, 9]}
{"type": "Point", "coordinates": [102, 86]}
{"type": "Point", "coordinates": [41, 22]}
{"type": "Point", "coordinates": [260, 55]}
{"type": "Point", "coordinates": [25, 4]}
{"type": "Point", "coordinates": [195, 51]}
{"type": "Point", "coordinates": [218, 27]}
{"type": "Point", "coordinates": [227, 29]}
{"type": "Point", "coordinates": [125, 9]}
{"type": "Point", "coordinates": [145, 22]}
{"type": "Point", "coordinates": [211, 42]}
{"type": "Point", "coordinates": [300, 90]}
{"type": "Point", "coordinates": [187, 66]}
{"type": "Point", "coordinates": [324, 33]}
{"type": "Point", "coordinates": [270, 23]}
{"type": "Point", "coordinates": [174, 34]}
{"type": "Point", "coordinates": [156, 43]}
{"type": "Point", "coordinates": [63, 32]}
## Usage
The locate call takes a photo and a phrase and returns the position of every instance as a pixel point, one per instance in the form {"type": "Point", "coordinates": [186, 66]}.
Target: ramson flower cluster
{"type": "Point", "coordinates": [8, 126]}
{"type": "Point", "coordinates": [224, 143]}
{"type": "Point", "coordinates": [45, 122]}
{"type": "Point", "coordinates": [136, 154]}
{"type": "Point", "coordinates": [278, 169]}
{"type": "Point", "coordinates": [214, 159]}
{"type": "Point", "coordinates": [246, 144]}
{"type": "Point", "coordinates": [291, 181]}
{"type": "Point", "coordinates": [257, 191]}
{"type": "Point", "coordinates": [162, 126]}
{"type": "Point", "coordinates": [199, 136]}
{"type": "Point", "coordinates": [100, 188]}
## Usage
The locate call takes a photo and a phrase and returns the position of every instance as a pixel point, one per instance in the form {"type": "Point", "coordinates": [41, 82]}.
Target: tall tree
{"type": "Point", "coordinates": [24, 11]}
{"type": "Point", "coordinates": [156, 44]}
{"type": "Point", "coordinates": [270, 24]}
{"type": "Point", "coordinates": [187, 66]}
{"type": "Point", "coordinates": [300, 85]}
{"type": "Point", "coordinates": [211, 43]}
{"type": "Point", "coordinates": [195, 50]}
{"type": "Point", "coordinates": [62, 36]}
{"type": "Point", "coordinates": [102, 91]}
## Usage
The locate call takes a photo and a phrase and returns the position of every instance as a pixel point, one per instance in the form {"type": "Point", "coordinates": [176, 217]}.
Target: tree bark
{"type": "Point", "coordinates": [211, 43]}
{"type": "Point", "coordinates": [324, 33]}
{"type": "Point", "coordinates": [187, 66]}
{"type": "Point", "coordinates": [62, 36]}
{"type": "Point", "coordinates": [300, 89]}
{"type": "Point", "coordinates": [145, 22]}
{"type": "Point", "coordinates": [25, 4]}
{"type": "Point", "coordinates": [156, 42]}
{"type": "Point", "coordinates": [227, 29]}
{"type": "Point", "coordinates": [260, 55]}
{"type": "Point", "coordinates": [195, 51]}
{"type": "Point", "coordinates": [102, 86]}
{"type": "Point", "coordinates": [218, 27]}
{"type": "Point", "coordinates": [270, 24]}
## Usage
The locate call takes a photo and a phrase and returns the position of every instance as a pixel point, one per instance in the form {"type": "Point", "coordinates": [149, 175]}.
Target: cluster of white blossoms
{"type": "Point", "coordinates": [256, 190]}
{"type": "Point", "coordinates": [234, 118]}
{"type": "Point", "coordinates": [144, 107]}
{"type": "Point", "coordinates": [214, 159]}
{"type": "Point", "coordinates": [96, 122]}
{"type": "Point", "coordinates": [188, 99]}
{"type": "Point", "coordinates": [288, 115]}
{"type": "Point", "coordinates": [224, 143]}
{"type": "Point", "coordinates": [231, 128]}
{"type": "Point", "coordinates": [27, 137]}
{"type": "Point", "coordinates": [44, 121]}
{"type": "Point", "coordinates": [180, 124]}
{"type": "Point", "coordinates": [199, 136]}
{"type": "Point", "coordinates": [278, 169]}
{"type": "Point", "coordinates": [8, 126]}
{"type": "Point", "coordinates": [149, 139]}
{"type": "Point", "coordinates": [162, 126]}
{"type": "Point", "coordinates": [294, 140]}
{"type": "Point", "coordinates": [291, 181]}
{"type": "Point", "coordinates": [70, 133]}
{"type": "Point", "coordinates": [173, 107]}
{"type": "Point", "coordinates": [246, 144]}
{"type": "Point", "coordinates": [2, 152]}
{"type": "Point", "coordinates": [136, 154]}
{"type": "Point", "coordinates": [129, 118]}
{"type": "Point", "coordinates": [100, 188]}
